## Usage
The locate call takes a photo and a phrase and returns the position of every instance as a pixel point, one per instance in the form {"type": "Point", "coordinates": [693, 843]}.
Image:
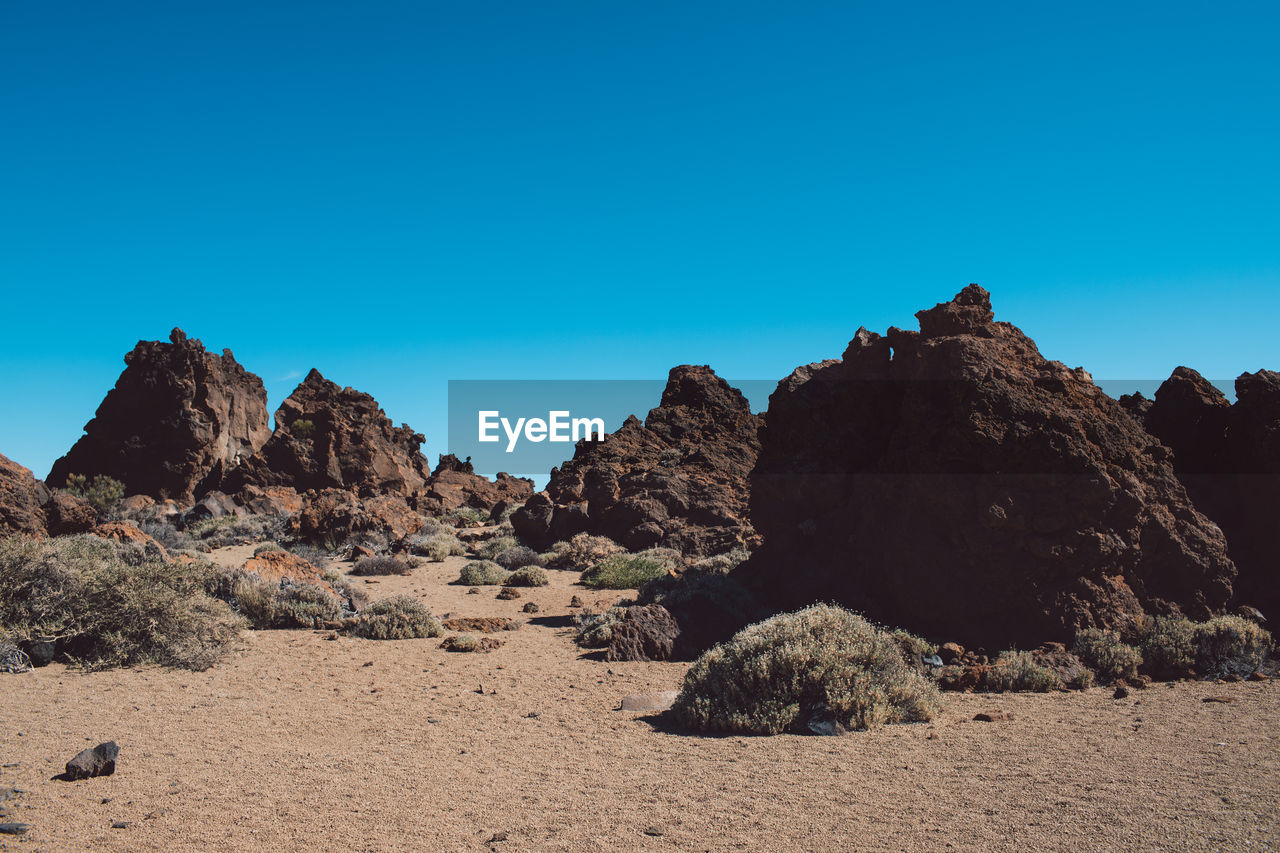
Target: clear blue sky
{"type": "Point", "coordinates": [400, 193]}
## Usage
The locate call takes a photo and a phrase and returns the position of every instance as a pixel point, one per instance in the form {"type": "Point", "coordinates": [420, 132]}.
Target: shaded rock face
{"type": "Point", "coordinates": [646, 633]}
{"type": "Point", "coordinates": [455, 484]}
{"type": "Point", "coordinates": [1228, 457]}
{"type": "Point", "coordinates": [29, 508]}
{"type": "Point", "coordinates": [956, 483]}
{"type": "Point", "coordinates": [332, 437]}
{"type": "Point", "coordinates": [335, 515]}
{"type": "Point", "coordinates": [177, 420]}
{"type": "Point", "coordinates": [678, 480]}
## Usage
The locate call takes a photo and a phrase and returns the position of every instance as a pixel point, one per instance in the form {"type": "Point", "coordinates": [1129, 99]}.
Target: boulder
{"type": "Point", "coordinates": [453, 485]}
{"type": "Point", "coordinates": [1228, 457]}
{"type": "Point", "coordinates": [677, 480]}
{"type": "Point", "coordinates": [127, 533]}
{"type": "Point", "coordinates": [956, 483]}
{"type": "Point", "coordinates": [645, 633]}
{"type": "Point", "coordinates": [334, 515]}
{"type": "Point", "coordinates": [277, 566]}
{"type": "Point", "coordinates": [177, 420]}
{"type": "Point", "coordinates": [329, 437]}
{"type": "Point", "coordinates": [29, 508]}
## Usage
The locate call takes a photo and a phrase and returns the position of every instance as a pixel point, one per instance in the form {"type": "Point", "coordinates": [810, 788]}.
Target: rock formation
{"type": "Point", "coordinates": [177, 420]}
{"type": "Point", "coordinates": [954, 482]}
{"type": "Point", "coordinates": [29, 508]}
{"type": "Point", "coordinates": [454, 484]}
{"type": "Point", "coordinates": [1228, 457]}
{"type": "Point", "coordinates": [678, 480]}
{"type": "Point", "coordinates": [332, 437]}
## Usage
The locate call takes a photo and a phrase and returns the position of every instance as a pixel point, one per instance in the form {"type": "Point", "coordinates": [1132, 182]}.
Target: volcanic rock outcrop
{"type": "Point", "coordinates": [1228, 457]}
{"type": "Point", "coordinates": [327, 437]}
{"type": "Point", "coordinates": [954, 482]}
{"type": "Point", "coordinates": [28, 507]}
{"type": "Point", "coordinates": [177, 420]}
{"type": "Point", "coordinates": [455, 484]}
{"type": "Point", "coordinates": [678, 480]}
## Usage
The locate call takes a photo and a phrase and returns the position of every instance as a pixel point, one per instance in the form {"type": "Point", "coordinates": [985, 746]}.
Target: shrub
{"type": "Point", "coordinates": [1017, 671]}
{"type": "Point", "coordinates": [504, 518]}
{"type": "Point", "coordinates": [482, 573]}
{"type": "Point", "coordinates": [396, 618]}
{"type": "Point", "coordinates": [303, 427]}
{"type": "Point", "coordinates": [623, 571]}
{"type": "Point", "coordinates": [469, 516]}
{"type": "Point", "coordinates": [266, 547]}
{"type": "Point", "coordinates": [236, 530]}
{"type": "Point", "coordinates": [381, 566]}
{"type": "Point", "coordinates": [1168, 647]}
{"type": "Point", "coordinates": [721, 564]}
{"type": "Point", "coordinates": [495, 546]}
{"type": "Point", "coordinates": [461, 643]}
{"type": "Point", "coordinates": [580, 553]}
{"type": "Point", "coordinates": [1103, 652]}
{"type": "Point", "coordinates": [771, 675]}
{"type": "Point", "coordinates": [518, 557]}
{"type": "Point", "coordinates": [914, 649]}
{"type": "Point", "coordinates": [594, 630]}
{"type": "Point", "coordinates": [304, 605]}
{"type": "Point", "coordinates": [528, 576]}
{"type": "Point", "coordinates": [435, 546]}
{"type": "Point", "coordinates": [104, 612]}
{"type": "Point", "coordinates": [1230, 645]}
{"type": "Point", "coordinates": [173, 539]}
{"type": "Point", "coordinates": [313, 554]}
{"type": "Point", "coordinates": [102, 492]}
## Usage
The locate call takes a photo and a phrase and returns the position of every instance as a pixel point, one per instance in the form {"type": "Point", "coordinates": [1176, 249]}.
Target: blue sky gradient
{"type": "Point", "coordinates": [403, 193]}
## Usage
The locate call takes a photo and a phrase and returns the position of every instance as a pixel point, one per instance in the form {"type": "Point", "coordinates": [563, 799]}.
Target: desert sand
{"type": "Point", "coordinates": [304, 740]}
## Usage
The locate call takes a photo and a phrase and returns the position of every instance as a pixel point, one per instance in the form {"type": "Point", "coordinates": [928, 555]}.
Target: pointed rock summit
{"type": "Point", "coordinates": [177, 420]}
{"type": "Point", "coordinates": [327, 436]}
{"type": "Point", "coordinates": [953, 481]}
{"type": "Point", "coordinates": [679, 479]}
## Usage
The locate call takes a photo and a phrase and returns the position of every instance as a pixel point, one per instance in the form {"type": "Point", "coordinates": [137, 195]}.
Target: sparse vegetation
{"type": "Point", "coordinates": [469, 516]}
{"type": "Point", "coordinates": [482, 573]}
{"type": "Point", "coordinates": [372, 566]}
{"type": "Point", "coordinates": [773, 674]}
{"type": "Point", "coordinates": [1018, 672]}
{"type": "Point", "coordinates": [722, 564]}
{"type": "Point", "coordinates": [595, 630]}
{"type": "Point", "coordinates": [235, 530]}
{"type": "Point", "coordinates": [102, 492]}
{"type": "Point", "coordinates": [1230, 645]}
{"type": "Point", "coordinates": [624, 571]}
{"type": "Point", "coordinates": [1104, 653]}
{"type": "Point", "coordinates": [914, 649]}
{"type": "Point", "coordinates": [1168, 647]}
{"type": "Point", "coordinates": [102, 611]}
{"type": "Point", "coordinates": [266, 547]}
{"type": "Point", "coordinates": [580, 553]}
{"type": "Point", "coordinates": [173, 539]}
{"type": "Point", "coordinates": [495, 546]}
{"type": "Point", "coordinates": [303, 427]}
{"type": "Point", "coordinates": [461, 643]}
{"type": "Point", "coordinates": [396, 618]}
{"type": "Point", "coordinates": [279, 605]}
{"type": "Point", "coordinates": [435, 546]}
{"type": "Point", "coordinates": [517, 557]}
{"type": "Point", "coordinates": [528, 576]}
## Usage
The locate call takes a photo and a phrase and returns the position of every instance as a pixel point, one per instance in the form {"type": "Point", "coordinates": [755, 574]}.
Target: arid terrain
{"type": "Point", "coordinates": [301, 741]}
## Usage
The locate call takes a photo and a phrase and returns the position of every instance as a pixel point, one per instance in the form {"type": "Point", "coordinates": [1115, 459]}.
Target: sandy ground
{"type": "Point", "coordinates": [301, 742]}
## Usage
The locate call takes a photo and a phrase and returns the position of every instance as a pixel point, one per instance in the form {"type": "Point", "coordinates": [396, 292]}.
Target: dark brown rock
{"type": "Point", "coordinates": [334, 515]}
{"type": "Point", "coordinates": [1228, 457]}
{"type": "Point", "coordinates": [99, 761]}
{"type": "Point", "coordinates": [29, 508]}
{"type": "Point", "coordinates": [646, 633]}
{"type": "Point", "coordinates": [177, 420]}
{"type": "Point", "coordinates": [678, 480]}
{"type": "Point", "coordinates": [329, 437]}
{"type": "Point", "coordinates": [956, 483]}
{"type": "Point", "coordinates": [65, 514]}
{"type": "Point", "coordinates": [453, 485]}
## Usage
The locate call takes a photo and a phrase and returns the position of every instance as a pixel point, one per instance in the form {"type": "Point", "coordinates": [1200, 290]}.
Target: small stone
{"type": "Point", "coordinates": [1221, 699]}
{"type": "Point", "coordinates": [508, 593]}
{"type": "Point", "coordinates": [99, 761]}
{"type": "Point", "coordinates": [530, 607]}
{"type": "Point", "coordinates": [475, 590]}
{"type": "Point", "coordinates": [575, 602]}
{"type": "Point", "coordinates": [992, 716]}
{"type": "Point", "coordinates": [650, 702]}
{"type": "Point", "coordinates": [1258, 676]}
{"type": "Point", "coordinates": [14, 828]}
{"type": "Point", "coordinates": [1122, 692]}
{"type": "Point", "coordinates": [496, 837]}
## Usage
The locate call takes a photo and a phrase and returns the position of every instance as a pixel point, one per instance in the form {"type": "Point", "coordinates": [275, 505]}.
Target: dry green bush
{"type": "Point", "coordinates": [267, 547]}
{"type": "Point", "coordinates": [594, 630]}
{"type": "Point", "coordinates": [1168, 647]}
{"type": "Point", "coordinates": [625, 571]}
{"type": "Point", "coordinates": [1104, 653]}
{"type": "Point", "coordinates": [435, 546]}
{"type": "Point", "coordinates": [462, 643]}
{"type": "Point", "coordinates": [518, 557]}
{"type": "Point", "coordinates": [721, 564]}
{"type": "Point", "coordinates": [467, 514]}
{"type": "Point", "coordinates": [580, 553]}
{"type": "Point", "coordinates": [528, 576]}
{"type": "Point", "coordinates": [236, 530]}
{"type": "Point", "coordinates": [1230, 645]}
{"type": "Point", "coordinates": [771, 674]}
{"type": "Point", "coordinates": [106, 611]}
{"type": "Point", "coordinates": [1018, 672]}
{"type": "Point", "coordinates": [396, 618]}
{"type": "Point", "coordinates": [375, 566]}
{"type": "Point", "coordinates": [280, 605]}
{"type": "Point", "coordinates": [482, 573]}
{"type": "Point", "coordinates": [493, 547]}
{"type": "Point", "coordinates": [102, 492]}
